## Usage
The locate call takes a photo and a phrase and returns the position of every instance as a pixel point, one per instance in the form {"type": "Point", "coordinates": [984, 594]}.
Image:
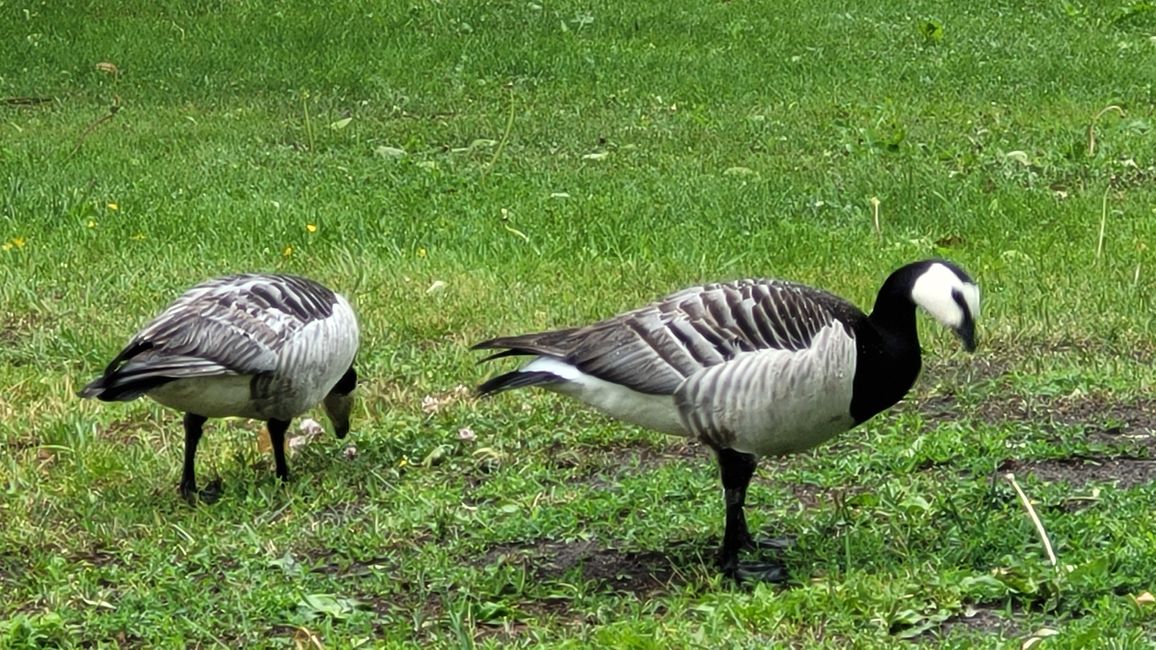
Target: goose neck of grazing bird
{"type": "Point", "coordinates": [889, 355]}
{"type": "Point", "coordinates": [894, 312]}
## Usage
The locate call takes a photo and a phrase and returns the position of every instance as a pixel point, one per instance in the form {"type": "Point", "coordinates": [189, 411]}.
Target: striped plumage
{"type": "Point", "coordinates": [267, 347]}
{"type": "Point", "coordinates": [750, 368]}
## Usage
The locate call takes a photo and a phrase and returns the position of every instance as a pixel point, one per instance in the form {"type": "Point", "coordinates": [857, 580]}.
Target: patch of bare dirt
{"type": "Point", "coordinates": [95, 555]}
{"type": "Point", "coordinates": [121, 431]}
{"type": "Point", "coordinates": [1098, 414]}
{"type": "Point", "coordinates": [601, 466]}
{"type": "Point", "coordinates": [336, 563]}
{"type": "Point", "coordinates": [15, 328]}
{"type": "Point", "coordinates": [16, 444]}
{"type": "Point", "coordinates": [813, 496]}
{"type": "Point", "coordinates": [354, 568]}
{"type": "Point", "coordinates": [964, 370]}
{"type": "Point", "coordinates": [1101, 416]}
{"type": "Point", "coordinates": [974, 619]}
{"type": "Point", "coordinates": [1125, 472]}
{"type": "Point", "coordinates": [630, 572]}
{"type": "Point", "coordinates": [995, 361]}
{"type": "Point", "coordinates": [342, 513]}
{"type": "Point", "coordinates": [807, 494]}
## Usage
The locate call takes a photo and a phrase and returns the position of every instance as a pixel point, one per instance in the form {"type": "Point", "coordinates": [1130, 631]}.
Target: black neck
{"type": "Point", "coordinates": [894, 312]}
{"type": "Point", "coordinates": [889, 355]}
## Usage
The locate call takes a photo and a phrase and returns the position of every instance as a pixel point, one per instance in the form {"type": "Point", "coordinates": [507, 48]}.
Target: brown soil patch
{"type": "Point", "coordinates": [1002, 358]}
{"type": "Point", "coordinates": [15, 328]}
{"type": "Point", "coordinates": [1122, 471]}
{"type": "Point", "coordinates": [1105, 418]}
{"type": "Point", "coordinates": [600, 466]}
{"type": "Point", "coordinates": [964, 370]}
{"type": "Point", "coordinates": [96, 555]}
{"type": "Point", "coordinates": [813, 496]}
{"type": "Point", "coordinates": [121, 431]}
{"type": "Point", "coordinates": [1098, 414]}
{"type": "Point", "coordinates": [354, 568]}
{"type": "Point", "coordinates": [974, 620]}
{"type": "Point", "coordinates": [807, 494]}
{"type": "Point", "coordinates": [630, 572]}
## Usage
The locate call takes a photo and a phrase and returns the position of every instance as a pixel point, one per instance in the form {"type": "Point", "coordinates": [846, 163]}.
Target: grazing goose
{"type": "Point", "coordinates": [267, 347]}
{"type": "Point", "coordinates": [751, 368]}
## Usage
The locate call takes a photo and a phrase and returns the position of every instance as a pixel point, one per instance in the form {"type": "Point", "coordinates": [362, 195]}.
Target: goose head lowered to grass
{"type": "Point", "coordinates": [267, 347]}
{"type": "Point", "coordinates": [751, 368]}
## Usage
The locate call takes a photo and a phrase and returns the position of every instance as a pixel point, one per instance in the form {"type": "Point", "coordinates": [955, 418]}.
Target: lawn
{"type": "Point", "coordinates": [463, 170]}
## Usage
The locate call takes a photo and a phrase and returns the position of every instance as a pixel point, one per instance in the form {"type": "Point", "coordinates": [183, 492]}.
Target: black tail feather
{"type": "Point", "coordinates": [111, 386]}
{"type": "Point", "coordinates": [504, 353]}
{"type": "Point", "coordinates": [556, 343]}
{"type": "Point", "coordinates": [118, 388]}
{"type": "Point", "coordinates": [517, 379]}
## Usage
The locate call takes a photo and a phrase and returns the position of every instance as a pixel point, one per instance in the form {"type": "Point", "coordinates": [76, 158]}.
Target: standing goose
{"type": "Point", "coordinates": [267, 347]}
{"type": "Point", "coordinates": [751, 368]}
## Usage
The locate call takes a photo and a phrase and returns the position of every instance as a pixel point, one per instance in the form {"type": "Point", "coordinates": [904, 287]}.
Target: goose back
{"type": "Point", "coordinates": [761, 366]}
{"type": "Point", "coordinates": [252, 345]}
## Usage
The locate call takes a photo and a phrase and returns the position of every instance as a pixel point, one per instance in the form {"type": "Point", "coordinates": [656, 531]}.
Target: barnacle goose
{"type": "Point", "coordinates": [267, 347]}
{"type": "Point", "coordinates": [751, 368]}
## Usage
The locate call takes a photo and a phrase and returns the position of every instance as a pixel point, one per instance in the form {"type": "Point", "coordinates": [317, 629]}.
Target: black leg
{"type": "Point", "coordinates": [737, 469]}
{"type": "Point", "coordinates": [277, 430]}
{"type": "Point", "coordinates": [194, 427]}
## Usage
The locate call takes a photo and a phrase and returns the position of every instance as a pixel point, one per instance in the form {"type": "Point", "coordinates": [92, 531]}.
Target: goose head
{"type": "Point", "coordinates": [339, 402]}
{"type": "Point", "coordinates": [946, 292]}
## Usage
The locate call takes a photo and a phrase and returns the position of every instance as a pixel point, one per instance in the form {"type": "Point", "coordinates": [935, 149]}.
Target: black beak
{"type": "Point", "coordinates": [966, 333]}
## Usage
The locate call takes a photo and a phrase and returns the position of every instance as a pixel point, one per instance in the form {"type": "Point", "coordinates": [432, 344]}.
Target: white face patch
{"type": "Point", "coordinates": [971, 297]}
{"type": "Point", "coordinates": [934, 291]}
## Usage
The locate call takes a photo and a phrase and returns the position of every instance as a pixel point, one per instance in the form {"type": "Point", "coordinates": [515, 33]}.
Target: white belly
{"type": "Point", "coordinates": [656, 412]}
{"type": "Point", "coordinates": [212, 397]}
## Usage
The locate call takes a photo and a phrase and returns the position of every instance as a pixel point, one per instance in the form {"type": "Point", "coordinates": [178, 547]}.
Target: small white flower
{"type": "Point", "coordinates": [466, 433]}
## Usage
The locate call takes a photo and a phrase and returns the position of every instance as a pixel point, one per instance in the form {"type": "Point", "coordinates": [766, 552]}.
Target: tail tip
{"type": "Point", "coordinates": [515, 379]}
{"type": "Point", "coordinates": [93, 389]}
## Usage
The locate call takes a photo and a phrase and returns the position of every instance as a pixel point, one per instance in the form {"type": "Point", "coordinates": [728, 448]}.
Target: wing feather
{"type": "Point", "coordinates": [233, 325]}
{"type": "Point", "coordinates": [656, 348]}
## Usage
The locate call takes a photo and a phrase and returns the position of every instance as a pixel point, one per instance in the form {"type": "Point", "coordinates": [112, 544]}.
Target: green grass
{"type": "Point", "coordinates": [564, 161]}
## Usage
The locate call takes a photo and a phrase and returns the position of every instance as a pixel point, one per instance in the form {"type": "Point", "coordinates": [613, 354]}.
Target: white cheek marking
{"type": "Point", "coordinates": [933, 290]}
{"type": "Point", "coordinates": [971, 296]}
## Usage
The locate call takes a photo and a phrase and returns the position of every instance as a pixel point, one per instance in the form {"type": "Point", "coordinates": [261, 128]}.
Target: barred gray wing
{"type": "Point", "coordinates": [654, 349]}
{"type": "Point", "coordinates": [231, 325]}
